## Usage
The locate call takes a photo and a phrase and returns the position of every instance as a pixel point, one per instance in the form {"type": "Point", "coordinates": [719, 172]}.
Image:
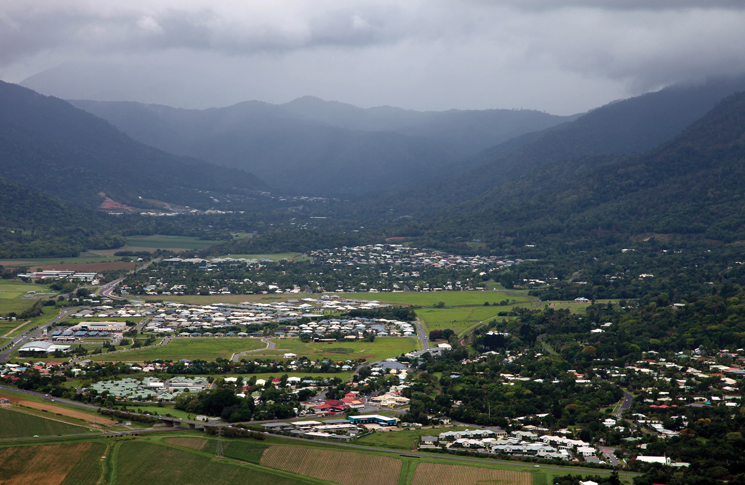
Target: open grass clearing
{"type": "Point", "coordinates": [406, 439]}
{"type": "Point", "coordinates": [449, 298]}
{"type": "Point", "coordinates": [459, 319]}
{"type": "Point", "coordinates": [16, 424]}
{"type": "Point", "coordinates": [142, 463]}
{"type": "Point", "coordinates": [573, 307]}
{"type": "Point", "coordinates": [199, 348]}
{"type": "Point", "coordinates": [381, 348]}
{"type": "Point", "coordinates": [346, 468]}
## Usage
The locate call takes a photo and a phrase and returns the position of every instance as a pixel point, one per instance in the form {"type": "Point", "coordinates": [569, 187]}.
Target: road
{"type": "Point", "coordinates": [625, 405]}
{"type": "Point", "coordinates": [269, 346]}
{"type": "Point", "coordinates": [21, 339]}
{"type": "Point", "coordinates": [423, 337]}
{"type": "Point", "coordinates": [609, 454]}
{"type": "Point", "coordinates": [107, 289]}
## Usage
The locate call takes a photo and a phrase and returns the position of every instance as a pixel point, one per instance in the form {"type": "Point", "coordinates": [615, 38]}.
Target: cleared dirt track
{"type": "Point", "coordinates": [60, 410]}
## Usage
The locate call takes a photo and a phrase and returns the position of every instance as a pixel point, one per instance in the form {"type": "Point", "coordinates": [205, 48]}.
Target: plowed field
{"type": "Point", "coordinates": [435, 474]}
{"type": "Point", "coordinates": [336, 466]}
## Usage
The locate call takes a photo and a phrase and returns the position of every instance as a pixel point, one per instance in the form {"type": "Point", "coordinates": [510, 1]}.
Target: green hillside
{"type": "Point", "coordinates": [691, 186]}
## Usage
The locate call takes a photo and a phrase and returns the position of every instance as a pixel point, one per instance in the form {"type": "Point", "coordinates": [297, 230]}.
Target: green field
{"type": "Point", "coordinates": [187, 348]}
{"type": "Point", "coordinates": [382, 348]}
{"type": "Point", "coordinates": [167, 242]}
{"type": "Point", "coordinates": [459, 318]}
{"type": "Point", "coordinates": [401, 440]}
{"type": "Point", "coordinates": [141, 463]}
{"type": "Point", "coordinates": [15, 424]}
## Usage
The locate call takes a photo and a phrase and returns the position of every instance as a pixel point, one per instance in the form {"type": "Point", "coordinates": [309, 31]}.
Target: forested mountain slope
{"type": "Point", "coordinates": [691, 186]}
{"type": "Point", "coordinates": [33, 225]}
{"type": "Point", "coordinates": [311, 146]}
{"type": "Point", "coordinates": [630, 126]}
{"type": "Point", "coordinates": [50, 145]}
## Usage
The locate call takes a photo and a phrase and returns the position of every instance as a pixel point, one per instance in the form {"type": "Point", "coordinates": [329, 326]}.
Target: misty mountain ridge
{"type": "Point", "coordinates": [49, 145]}
{"type": "Point", "coordinates": [311, 146]}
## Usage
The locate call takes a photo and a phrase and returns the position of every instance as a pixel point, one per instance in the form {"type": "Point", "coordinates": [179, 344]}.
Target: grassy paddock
{"type": "Point", "coordinates": [186, 348]}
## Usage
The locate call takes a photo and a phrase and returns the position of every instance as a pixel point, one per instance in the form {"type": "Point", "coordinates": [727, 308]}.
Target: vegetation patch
{"type": "Point", "coordinates": [435, 474]}
{"type": "Point", "coordinates": [340, 467]}
{"type": "Point", "coordinates": [40, 465]}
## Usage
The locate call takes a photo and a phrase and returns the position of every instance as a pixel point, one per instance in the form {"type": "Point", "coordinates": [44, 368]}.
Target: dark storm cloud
{"type": "Point", "coordinates": [385, 51]}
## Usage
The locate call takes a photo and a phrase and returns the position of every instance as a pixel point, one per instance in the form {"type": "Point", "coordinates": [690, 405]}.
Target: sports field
{"type": "Point", "coordinates": [15, 424]}
{"type": "Point", "coordinates": [449, 298]}
{"type": "Point", "coordinates": [186, 348]}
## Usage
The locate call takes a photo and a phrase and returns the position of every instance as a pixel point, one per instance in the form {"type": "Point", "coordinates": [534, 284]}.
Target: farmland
{"type": "Point", "coordinates": [140, 463]}
{"type": "Point", "coordinates": [46, 465]}
{"type": "Point", "coordinates": [191, 348]}
{"type": "Point", "coordinates": [436, 474]}
{"type": "Point", "coordinates": [341, 467]}
{"type": "Point", "coordinates": [15, 424]}
{"type": "Point", "coordinates": [187, 442]}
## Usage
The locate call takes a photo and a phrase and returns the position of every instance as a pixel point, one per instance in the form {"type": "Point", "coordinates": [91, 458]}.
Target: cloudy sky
{"type": "Point", "coordinates": [560, 56]}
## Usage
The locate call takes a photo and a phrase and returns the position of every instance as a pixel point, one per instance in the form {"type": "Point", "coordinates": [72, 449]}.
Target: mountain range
{"type": "Point", "coordinates": [315, 147]}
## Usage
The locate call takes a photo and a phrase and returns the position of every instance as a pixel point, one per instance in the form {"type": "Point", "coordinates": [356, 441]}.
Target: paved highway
{"type": "Point", "coordinates": [626, 404]}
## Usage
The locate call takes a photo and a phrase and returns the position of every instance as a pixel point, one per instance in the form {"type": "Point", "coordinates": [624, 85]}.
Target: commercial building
{"type": "Point", "coordinates": [373, 419]}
